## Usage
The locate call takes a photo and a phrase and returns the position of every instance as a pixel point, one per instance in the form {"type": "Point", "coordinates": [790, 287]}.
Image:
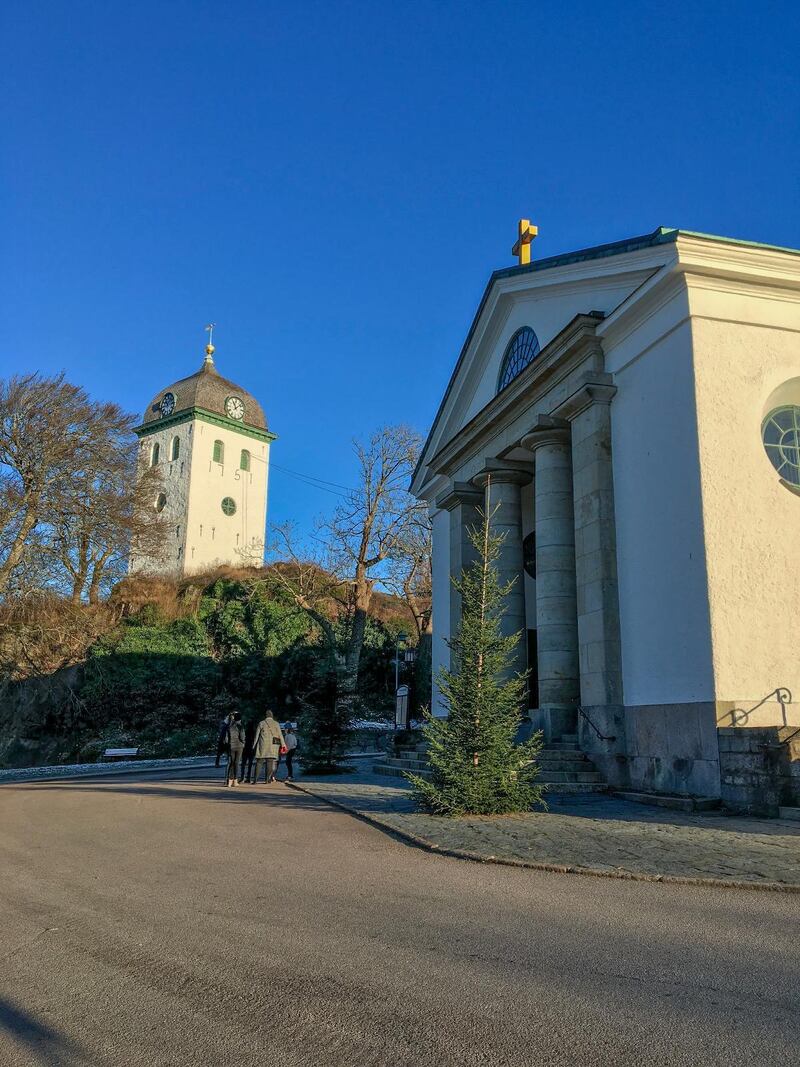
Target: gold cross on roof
{"type": "Point", "coordinates": [522, 248]}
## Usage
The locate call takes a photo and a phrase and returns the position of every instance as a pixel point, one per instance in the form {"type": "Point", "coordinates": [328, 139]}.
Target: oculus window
{"type": "Point", "coordinates": [161, 502]}
{"type": "Point", "coordinates": [522, 349]}
{"type": "Point", "coordinates": [228, 506]}
{"type": "Point", "coordinates": [780, 433]}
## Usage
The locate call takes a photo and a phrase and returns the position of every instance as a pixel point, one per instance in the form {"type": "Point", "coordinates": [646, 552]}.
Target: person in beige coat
{"type": "Point", "coordinates": [267, 747]}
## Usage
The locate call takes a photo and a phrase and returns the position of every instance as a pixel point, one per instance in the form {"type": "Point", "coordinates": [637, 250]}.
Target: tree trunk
{"type": "Point", "coordinates": [362, 595]}
{"type": "Point", "coordinates": [17, 549]}
{"type": "Point", "coordinates": [97, 577]}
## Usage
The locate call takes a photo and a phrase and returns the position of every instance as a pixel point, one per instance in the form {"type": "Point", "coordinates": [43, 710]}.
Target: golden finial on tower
{"type": "Point", "coordinates": [522, 248]}
{"type": "Point", "coordinates": [210, 347]}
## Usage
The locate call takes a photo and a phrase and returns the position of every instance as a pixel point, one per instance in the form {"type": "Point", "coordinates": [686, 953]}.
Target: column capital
{"type": "Point", "coordinates": [503, 470]}
{"type": "Point", "coordinates": [596, 389]}
{"type": "Point", "coordinates": [459, 493]}
{"type": "Point", "coordinates": [547, 431]}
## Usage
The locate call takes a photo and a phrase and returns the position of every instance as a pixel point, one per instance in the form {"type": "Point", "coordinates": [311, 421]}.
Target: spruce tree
{"type": "Point", "coordinates": [476, 767]}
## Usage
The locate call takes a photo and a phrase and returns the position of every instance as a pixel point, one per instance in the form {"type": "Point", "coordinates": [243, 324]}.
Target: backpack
{"type": "Point", "coordinates": [236, 734]}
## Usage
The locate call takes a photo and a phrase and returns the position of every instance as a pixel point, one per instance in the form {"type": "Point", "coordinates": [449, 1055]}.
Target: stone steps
{"type": "Point", "coordinates": [389, 771]}
{"type": "Point", "coordinates": [563, 768]}
{"type": "Point", "coordinates": [575, 777]}
{"type": "Point", "coordinates": [406, 764]}
{"type": "Point", "coordinates": [558, 788]}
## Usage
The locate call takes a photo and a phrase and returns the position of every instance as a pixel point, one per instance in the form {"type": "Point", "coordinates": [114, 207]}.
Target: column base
{"type": "Point", "coordinates": [554, 720]}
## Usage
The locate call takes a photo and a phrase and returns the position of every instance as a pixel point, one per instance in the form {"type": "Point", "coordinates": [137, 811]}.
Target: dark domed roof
{"type": "Point", "coordinates": [207, 389]}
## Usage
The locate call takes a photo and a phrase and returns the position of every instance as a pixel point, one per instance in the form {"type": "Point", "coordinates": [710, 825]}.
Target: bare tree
{"type": "Point", "coordinates": [68, 497]}
{"type": "Point", "coordinates": [109, 515]}
{"type": "Point", "coordinates": [409, 576]}
{"type": "Point", "coordinates": [364, 534]}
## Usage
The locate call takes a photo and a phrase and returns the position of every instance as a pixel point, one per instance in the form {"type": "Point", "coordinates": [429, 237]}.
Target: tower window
{"type": "Point", "coordinates": [161, 501]}
{"type": "Point", "coordinates": [244, 462]}
{"type": "Point", "coordinates": [228, 506]}
{"type": "Point", "coordinates": [175, 448]}
{"type": "Point", "coordinates": [219, 452]}
{"type": "Point", "coordinates": [155, 455]}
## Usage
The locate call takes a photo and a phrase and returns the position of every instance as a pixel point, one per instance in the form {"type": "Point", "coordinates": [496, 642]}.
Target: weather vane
{"type": "Point", "coordinates": [210, 345]}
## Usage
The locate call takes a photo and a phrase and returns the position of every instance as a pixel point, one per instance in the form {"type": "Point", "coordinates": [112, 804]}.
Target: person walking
{"type": "Point", "coordinates": [236, 738]}
{"type": "Point", "coordinates": [247, 755]}
{"type": "Point", "coordinates": [290, 738]}
{"type": "Point", "coordinates": [222, 738]}
{"type": "Point", "coordinates": [266, 748]}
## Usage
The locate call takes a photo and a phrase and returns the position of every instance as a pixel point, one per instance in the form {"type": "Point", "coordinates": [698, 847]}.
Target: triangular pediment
{"type": "Point", "coordinates": [546, 301]}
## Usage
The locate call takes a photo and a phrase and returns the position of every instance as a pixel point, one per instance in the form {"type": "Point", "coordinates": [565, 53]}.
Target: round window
{"type": "Point", "coordinates": [229, 505]}
{"type": "Point", "coordinates": [780, 433]}
{"type": "Point", "coordinates": [161, 502]}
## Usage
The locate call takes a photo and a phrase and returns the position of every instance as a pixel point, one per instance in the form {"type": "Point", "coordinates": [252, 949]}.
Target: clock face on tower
{"type": "Point", "coordinates": [167, 404]}
{"type": "Point", "coordinates": [234, 407]}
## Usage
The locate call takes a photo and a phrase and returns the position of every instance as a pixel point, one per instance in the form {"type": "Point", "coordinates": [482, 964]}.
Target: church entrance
{"type": "Point", "coordinates": [533, 669]}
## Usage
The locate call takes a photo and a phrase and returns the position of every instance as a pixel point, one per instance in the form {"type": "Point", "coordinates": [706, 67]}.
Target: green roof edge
{"type": "Point", "coordinates": [187, 414]}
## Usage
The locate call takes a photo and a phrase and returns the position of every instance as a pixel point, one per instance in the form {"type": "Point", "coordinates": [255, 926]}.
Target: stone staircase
{"type": "Point", "coordinates": [563, 768]}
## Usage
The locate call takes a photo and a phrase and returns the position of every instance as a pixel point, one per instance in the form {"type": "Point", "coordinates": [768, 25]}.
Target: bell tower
{"type": "Point", "coordinates": [210, 440]}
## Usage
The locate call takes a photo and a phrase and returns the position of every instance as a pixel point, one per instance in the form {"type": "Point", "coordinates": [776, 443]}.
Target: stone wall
{"type": "Point", "coordinates": [672, 748]}
{"type": "Point", "coordinates": [760, 768]}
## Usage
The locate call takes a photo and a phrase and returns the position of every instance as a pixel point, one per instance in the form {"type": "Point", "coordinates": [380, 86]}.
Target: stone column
{"type": "Point", "coordinates": [463, 502]}
{"type": "Point", "coordinates": [501, 485]}
{"type": "Point", "coordinates": [589, 412]}
{"type": "Point", "coordinates": [596, 552]}
{"type": "Point", "coordinates": [556, 606]}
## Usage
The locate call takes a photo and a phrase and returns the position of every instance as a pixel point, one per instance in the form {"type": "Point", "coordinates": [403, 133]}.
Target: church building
{"type": "Point", "coordinates": [210, 441]}
{"type": "Point", "coordinates": [629, 415]}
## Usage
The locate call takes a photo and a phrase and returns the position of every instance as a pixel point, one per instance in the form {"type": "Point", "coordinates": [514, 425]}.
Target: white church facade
{"type": "Point", "coordinates": [631, 413]}
{"type": "Point", "coordinates": [210, 441]}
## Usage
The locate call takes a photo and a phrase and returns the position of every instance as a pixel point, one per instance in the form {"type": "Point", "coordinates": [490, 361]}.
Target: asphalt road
{"type": "Point", "coordinates": [165, 920]}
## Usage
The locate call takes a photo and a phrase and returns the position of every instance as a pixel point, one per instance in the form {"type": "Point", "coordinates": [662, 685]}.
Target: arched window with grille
{"type": "Point", "coordinates": [521, 350]}
{"type": "Point", "coordinates": [244, 461]}
{"type": "Point", "coordinates": [219, 452]}
{"type": "Point", "coordinates": [155, 454]}
{"type": "Point", "coordinates": [175, 448]}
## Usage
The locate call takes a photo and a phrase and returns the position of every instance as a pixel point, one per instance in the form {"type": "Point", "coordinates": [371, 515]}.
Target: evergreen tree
{"type": "Point", "coordinates": [476, 767]}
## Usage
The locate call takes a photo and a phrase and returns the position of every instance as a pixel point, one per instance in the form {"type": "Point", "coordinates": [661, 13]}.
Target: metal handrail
{"type": "Point", "coordinates": [602, 737]}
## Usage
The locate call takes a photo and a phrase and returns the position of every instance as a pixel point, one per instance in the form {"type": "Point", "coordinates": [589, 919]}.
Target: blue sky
{"type": "Point", "coordinates": [333, 183]}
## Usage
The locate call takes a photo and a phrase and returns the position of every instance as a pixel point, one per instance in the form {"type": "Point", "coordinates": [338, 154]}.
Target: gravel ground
{"type": "Point", "coordinates": [596, 833]}
{"type": "Point", "coordinates": [169, 922]}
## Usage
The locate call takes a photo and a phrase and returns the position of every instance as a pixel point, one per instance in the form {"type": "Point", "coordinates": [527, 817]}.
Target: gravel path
{"type": "Point", "coordinates": [593, 833]}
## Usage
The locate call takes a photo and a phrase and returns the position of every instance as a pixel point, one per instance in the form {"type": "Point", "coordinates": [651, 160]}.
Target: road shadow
{"type": "Point", "coordinates": [42, 1043]}
{"type": "Point", "coordinates": [278, 796]}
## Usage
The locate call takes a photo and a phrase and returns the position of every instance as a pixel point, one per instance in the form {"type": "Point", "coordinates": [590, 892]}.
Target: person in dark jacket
{"type": "Point", "coordinates": [222, 738]}
{"type": "Point", "coordinates": [236, 738]}
{"type": "Point", "coordinates": [249, 745]}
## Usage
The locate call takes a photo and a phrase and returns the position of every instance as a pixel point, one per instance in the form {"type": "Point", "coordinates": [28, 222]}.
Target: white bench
{"type": "Point", "coordinates": [121, 753]}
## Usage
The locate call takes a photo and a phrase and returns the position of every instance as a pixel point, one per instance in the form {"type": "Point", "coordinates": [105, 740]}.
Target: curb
{"type": "Point", "coordinates": [550, 868]}
{"type": "Point", "coordinates": [108, 773]}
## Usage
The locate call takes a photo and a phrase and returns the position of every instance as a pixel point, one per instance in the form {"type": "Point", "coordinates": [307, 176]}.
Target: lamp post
{"type": "Point", "coordinates": [401, 639]}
